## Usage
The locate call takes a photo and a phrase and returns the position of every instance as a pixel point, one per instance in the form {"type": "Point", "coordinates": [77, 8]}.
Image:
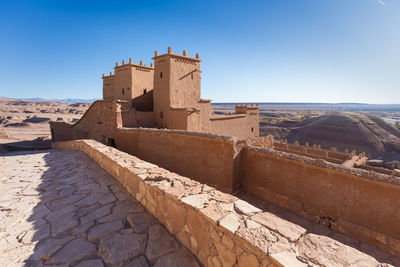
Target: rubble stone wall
{"type": "Point", "coordinates": [360, 207]}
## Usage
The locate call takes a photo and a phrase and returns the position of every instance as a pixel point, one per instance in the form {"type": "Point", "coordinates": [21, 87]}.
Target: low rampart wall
{"type": "Point", "coordinates": [329, 155]}
{"type": "Point", "coordinates": [61, 131]}
{"type": "Point", "coordinates": [358, 203]}
{"type": "Point", "coordinates": [190, 210]}
{"type": "Point", "coordinates": [209, 159]}
{"type": "Point", "coordinates": [98, 122]}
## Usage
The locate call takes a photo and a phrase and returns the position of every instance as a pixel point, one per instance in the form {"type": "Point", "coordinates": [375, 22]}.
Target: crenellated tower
{"type": "Point", "coordinates": [168, 95]}
{"type": "Point", "coordinates": [129, 81]}
{"type": "Point", "coordinates": [177, 83]}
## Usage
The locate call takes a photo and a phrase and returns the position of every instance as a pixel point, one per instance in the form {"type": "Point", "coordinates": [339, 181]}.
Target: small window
{"type": "Point", "coordinates": [123, 91]}
{"type": "Point", "coordinates": [144, 91]}
{"type": "Point", "coordinates": [252, 129]}
{"type": "Point", "coordinates": [160, 74]}
{"type": "Point", "coordinates": [161, 114]}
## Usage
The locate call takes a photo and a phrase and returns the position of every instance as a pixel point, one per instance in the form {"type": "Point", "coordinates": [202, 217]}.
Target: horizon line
{"type": "Point", "coordinates": [41, 99]}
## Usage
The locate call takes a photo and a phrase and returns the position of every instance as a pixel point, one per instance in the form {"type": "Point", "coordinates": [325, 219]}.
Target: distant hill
{"type": "Point", "coordinates": [360, 131]}
{"type": "Point", "coordinates": [354, 107]}
{"type": "Point", "coordinates": [63, 100]}
{"type": "Point", "coordinates": [5, 99]}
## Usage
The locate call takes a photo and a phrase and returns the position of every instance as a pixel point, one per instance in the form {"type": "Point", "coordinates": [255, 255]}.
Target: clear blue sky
{"type": "Point", "coordinates": [259, 51]}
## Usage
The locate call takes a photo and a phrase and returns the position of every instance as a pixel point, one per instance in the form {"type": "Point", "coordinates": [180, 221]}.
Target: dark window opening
{"type": "Point", "coordinates": [123, 91]}
{"type": "Point", "coordinates": [144, 91]}
{"type": "Point", "coordinates": [252, 129]}
{"type": "Point", "coordinates": [160, 74]}
{"type": "Point", "coordinates": [111, 142]}
{"type": "Point", "coordinates": [161, 114]}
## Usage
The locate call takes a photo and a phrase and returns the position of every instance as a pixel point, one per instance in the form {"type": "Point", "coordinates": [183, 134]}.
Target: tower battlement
{"type": "Point", "coordinates": [112, 75]}
{"type": "Point", "coordinates": [184, 55]}
{"type": "Point", "coordinates": [132, 64]}
{"type": "Point", "coordinates": [244, 108]}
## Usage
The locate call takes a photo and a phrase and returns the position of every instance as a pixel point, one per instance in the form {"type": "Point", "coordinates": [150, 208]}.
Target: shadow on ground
{"type": "Point", "coordinates": [26, 145]}
{"type": "Point", "coordinates": [60, 208]}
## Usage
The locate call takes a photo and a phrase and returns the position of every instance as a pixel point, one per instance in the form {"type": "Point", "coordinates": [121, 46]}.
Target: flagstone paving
{"type": "Point", "coordinates": [60, 208]}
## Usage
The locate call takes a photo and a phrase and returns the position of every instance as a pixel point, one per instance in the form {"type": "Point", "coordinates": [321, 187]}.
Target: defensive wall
{"type": "Point", "coordinates": [315, 151]}
{"type": "Point", "coordinates": [359, 202]}
{"type": "Point", "coordinates": [209, 159]}
{"type": "Point", "coordinates": [224, 230]}
{"type": "Point", "coordinates": [343, 198]}
{"type": "Point", "coordinates": [216, 236]}
{"type": "Point", "coordinates": [97, 123]}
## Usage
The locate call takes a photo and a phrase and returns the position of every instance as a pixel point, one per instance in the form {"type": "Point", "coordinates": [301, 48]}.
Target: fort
{"type": "Point", "coordinates": [168, 95]}
{"type": "Point", "coordinates": [229, 196]}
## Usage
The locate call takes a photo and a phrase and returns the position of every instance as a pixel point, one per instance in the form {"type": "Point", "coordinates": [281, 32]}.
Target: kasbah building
{"type": "Point", "coordinates": [166, 94]}
{"type": "Point", "coordinates": [156, 114]}
{"type": "Point", "coordinates": [171, 91]}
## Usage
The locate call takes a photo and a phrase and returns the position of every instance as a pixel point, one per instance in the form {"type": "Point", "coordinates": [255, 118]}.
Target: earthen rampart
{"type": "Point", "coordinates": [223, 230]}
{"type": "Point", "coordinates": [98, 123]}
{"type": "Point", "coordinates": [311, 185]}
{"type": "Point", "coordinates": [189, 154]}
{"type": "Point", "coordinates": [216, 236]}
{"type": "Point", "coordinates": [315, 151]}
{"type": "Point", "coordinates": [320, 190]}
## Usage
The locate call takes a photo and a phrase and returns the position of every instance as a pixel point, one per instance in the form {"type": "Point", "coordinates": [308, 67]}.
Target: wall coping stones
{"type": "Point", "coordinates": [220, 229]}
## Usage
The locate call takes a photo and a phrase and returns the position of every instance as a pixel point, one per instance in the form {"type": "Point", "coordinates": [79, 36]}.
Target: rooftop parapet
{"type": "Point", "coordinates": [131, 63]}
{"type": "Point", "coordinates": [112, 75]}
{"type": "Point", "coordinates": [243, 108]}
{"type": "Point", "coordinates": [184, 55]}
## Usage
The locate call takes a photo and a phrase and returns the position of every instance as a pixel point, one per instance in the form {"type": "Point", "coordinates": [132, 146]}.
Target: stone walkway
{"type": "Point", "coordinates": [60, 208]}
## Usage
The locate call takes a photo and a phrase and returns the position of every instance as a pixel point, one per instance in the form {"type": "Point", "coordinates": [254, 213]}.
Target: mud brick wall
{"type": "Point", "coordinates": [209, 159]}
{"type": "Point", "coordinates": [363, 207]}
{"type": "Point", "coordinates": [97, 123]}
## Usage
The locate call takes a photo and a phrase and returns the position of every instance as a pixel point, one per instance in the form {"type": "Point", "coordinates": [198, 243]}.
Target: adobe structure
{"type": "Point", "coordinates": [168, 95]}
{"type": "Point", "coordinates": [218, 171]}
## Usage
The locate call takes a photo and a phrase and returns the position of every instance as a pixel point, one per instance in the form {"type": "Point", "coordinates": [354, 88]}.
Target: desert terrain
{"type": "Point", "coordinates": [22, 121]}
{"type": "Point", "coordinates": [373, 129]}
{"type": "Point", "coordinates": [366, 128]}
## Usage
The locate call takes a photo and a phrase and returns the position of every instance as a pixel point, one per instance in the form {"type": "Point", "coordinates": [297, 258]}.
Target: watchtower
{"type": "Point", "coordinates": [177, 82]}
{"type": "Point", "coordinates": [129, 81]}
